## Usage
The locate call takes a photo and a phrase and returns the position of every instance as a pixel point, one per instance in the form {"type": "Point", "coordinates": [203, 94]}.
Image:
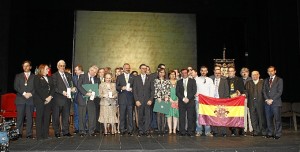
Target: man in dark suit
{"type": "Point", "coordinates": [272, 90]}
{"type": "Point", "coordinates": [221, 91]}
{"type": "Point", "coordinates": [186, 89]}
{"type": "Point", "coordinates": [253, 91]}
{"type": "Point", "coordinates": [78, 70]}
{"type": "Point", "coordinates": [86, 106]}
{"type": "Point", "coordinates": [236, 88]}
{"type": "Point", "coordinates": [124, 85]}
{"type": "Point", "coordinates": [62, 100]}
{"type": "Point", "coordinates": [143, 92]}
{"type": "Point", "coordinates": [23, 85]}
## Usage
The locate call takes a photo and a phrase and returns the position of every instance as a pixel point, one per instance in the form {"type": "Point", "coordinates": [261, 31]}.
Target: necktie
{"type": "Point", "coordinates": [65, 81]}
{"type": "Point", "coordinates": [270, 81]}
{"type": "Point", "coordinates": [90, 80]}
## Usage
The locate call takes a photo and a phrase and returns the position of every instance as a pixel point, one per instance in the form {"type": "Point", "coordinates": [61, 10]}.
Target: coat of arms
{"type": "Point", "coordinates": [221, 111]}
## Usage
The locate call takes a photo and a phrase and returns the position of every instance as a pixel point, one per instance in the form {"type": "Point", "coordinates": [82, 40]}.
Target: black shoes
{"type": "Point", "coordinates": [30, 137]}
{"type": "Point", "coordinates": [181, 135]}
{"type": "Point", "coordinates": [57, 135]}
{"type": "Point", "coordinates": [68, 135]}
{"type": "Point", "coordinates": [268, 136]}
{"type": "Point", "coordinates": [93, 135]}
{"type": "Point", "coordinates": [76, 132]}
{"type": "Point", "coordinates": [19, 135]}
{"type": "Point", "coordinates": [190, 135]}
{"type": "Point", "coordinates": [81, 134]}
{"type": "Point", "coordinates": [130, 134]}
{"type": "Point", "coordinates": [277, 137]}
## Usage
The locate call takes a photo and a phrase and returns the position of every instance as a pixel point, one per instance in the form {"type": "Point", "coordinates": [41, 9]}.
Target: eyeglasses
{"type": "Point", "coordinates": [62, 65]}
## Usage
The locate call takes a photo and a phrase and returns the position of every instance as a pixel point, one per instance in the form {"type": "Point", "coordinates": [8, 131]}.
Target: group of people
{"type": "Point", "coordinates": [126, 101]}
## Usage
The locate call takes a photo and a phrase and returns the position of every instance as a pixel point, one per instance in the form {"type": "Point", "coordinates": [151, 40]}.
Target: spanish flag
{"type": "Point", "coordinates": [227, 112]}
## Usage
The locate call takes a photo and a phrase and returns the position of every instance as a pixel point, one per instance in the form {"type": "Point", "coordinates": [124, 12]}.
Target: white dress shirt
{"type": "Point", "coordinates": [205, 86]}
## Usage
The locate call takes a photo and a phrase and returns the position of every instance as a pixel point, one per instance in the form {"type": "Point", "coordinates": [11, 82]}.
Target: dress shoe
{"type": "Point", "coordinates": [277, 137]}
{"type": "Point", "coordinates": [81, 135]}
{"type": "Point", "coordinates": [97, 132]}
{"type": "Point", "coordinates": [29, 137]}
{"type": "Point", "coordinates": [68, 135]}
{"type": "Point", "coordinates": [130, 134]}
{"type": "Point", "coordinates": [93, 135]}
{"type": "Point", "coordinates": [76, 132]}
{"type": "Point", "coordinates": [139, 135]}
{"type": "Point", "coordinates": [148, 135]}
{"type": "Point", "coordinates": [190, 134]}
{"type": "Point", "coordinates": [19, 135]}
{"type": "Point", "coordinates": [181, 135]}
{"type": "Point", "coordinates": [269, 136]}
{"type": "Point", "coordinates": [57, 135]}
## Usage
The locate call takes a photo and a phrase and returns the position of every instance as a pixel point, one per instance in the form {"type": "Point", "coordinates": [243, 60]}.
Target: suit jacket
{"type": "Point", "coordinates": [191, 91]}
{"type": "Point", "coordinates": [275, 91]}
{"type": "Point", "coordinates": [143, 93]}
{"type": "Point", "coordinates": [223, 89]}
{"type": "Point", "coordinates": [125, 97]}
{"type": "Point", "coordinates": [60, 86]}
{"type": "Point", "coordinates": [83, 79]}
{"type": "Point", "coordinates": [20, 87]}
{"type": "Point", "coordinates": [238, 84]}
{"type": "Point", "coordinates": [254, 93]}
{"type": "Point", "coordinates": [43, 89]}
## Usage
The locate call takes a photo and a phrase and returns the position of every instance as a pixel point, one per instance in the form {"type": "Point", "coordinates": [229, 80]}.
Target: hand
{"type": "Point", "coordinates": [26, 95]}
{"type": "Point", "coordinates": [149, 103]}
{"type": "Point", "coordinates": [244, 95]}
{"type": "Point", "coordinates": [171, 100]}
{"type": "Point", "coordinates": [196, 95]}
{"type": "Point", "coordinates": [88, 94]}
{"type": "Point", "coordinates": [73, 89]}
{"type": "Point", "coordinates": [138, 103]}
{"type": "Point", "coordinates": [29, 94]}
{"type": "Point", "coordinates": [64, 93]}
{"type": "Point", "coordinates": [48, 99]}
{"type": "Point", "coordinates": [159, 99]}
{"type": "Point", "coordinates": [185, 100]}
{"type": "Point", "coordinates": [123, 88]}
{"type": "Point", "coordinates": [166, 98]}
{"type": "Point", "coordinates": [238, 92]}
{"type": "Point", "coordinates": [129, 89]}
{"type": "Point", "coordinates": [269, 101]}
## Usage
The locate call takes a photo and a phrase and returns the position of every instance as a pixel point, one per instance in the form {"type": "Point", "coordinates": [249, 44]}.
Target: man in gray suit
{"type": "Point", "coordinates": [62, 100]}
{"type": "Point", "coordinates": [23, 84]}
{"type": "Point", "coordinates": [86, 106]}
{"type": "Point", "coordinates": [143, 92]}
{"type": "Point", "coordinates": [125, 98]}
{"type": "Point", "coordinates": [221, 91]}
{"type": "Point", "coordinates": [272, 90]}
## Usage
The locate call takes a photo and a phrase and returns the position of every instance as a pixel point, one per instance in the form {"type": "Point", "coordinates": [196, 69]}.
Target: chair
{"type": "Point", "coordinates": [286, 111]}
{"type": "Point", "coordinates": [8, 106]}
{"type": "Point", "coordinates": [296, 112]}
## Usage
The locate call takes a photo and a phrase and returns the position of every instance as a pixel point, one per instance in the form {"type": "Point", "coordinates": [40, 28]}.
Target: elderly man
{"type": "Point", "coordinates": [86, 106]}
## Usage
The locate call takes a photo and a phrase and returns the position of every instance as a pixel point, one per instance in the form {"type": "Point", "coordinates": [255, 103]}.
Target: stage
{"type": "Point", "coordinates": [289, 142]}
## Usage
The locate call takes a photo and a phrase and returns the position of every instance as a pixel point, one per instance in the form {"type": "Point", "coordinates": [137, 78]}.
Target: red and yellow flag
{"type": "Point", "coordinates": [227, 112]}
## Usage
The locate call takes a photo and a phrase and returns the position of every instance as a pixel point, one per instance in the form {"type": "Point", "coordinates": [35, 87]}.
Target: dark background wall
{"type": "Point", "coordinates": [42, 31]}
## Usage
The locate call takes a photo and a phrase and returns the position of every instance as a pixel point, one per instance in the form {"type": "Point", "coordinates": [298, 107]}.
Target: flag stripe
{"type": "Point", "coordinates": [226, 102]}
{"type": "Point", "coordinates": [217, 121]}
{"type": "Point", "coordinates": [226, 111]}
